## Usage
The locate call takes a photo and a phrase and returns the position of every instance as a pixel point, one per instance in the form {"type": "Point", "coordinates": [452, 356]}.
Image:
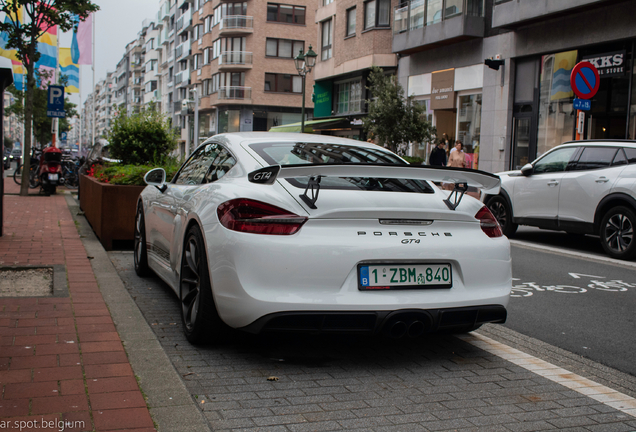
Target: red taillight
{"type": "Point", "coordinates": [52, 169]}
{"type": "Point", "coordinates": [488, 223]}
{"type": "Point", "coordinates": [250, 216]}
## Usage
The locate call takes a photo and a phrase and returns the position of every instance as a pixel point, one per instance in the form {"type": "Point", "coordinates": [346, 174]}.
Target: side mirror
{"type": "Point", "coordinates": [157, 178]}
{"type": "Point", "coordinates": [527, 169]}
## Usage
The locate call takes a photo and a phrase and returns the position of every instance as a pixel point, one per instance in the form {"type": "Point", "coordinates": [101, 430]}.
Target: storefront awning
{"type": "Point", "coordinates": [309, 125]}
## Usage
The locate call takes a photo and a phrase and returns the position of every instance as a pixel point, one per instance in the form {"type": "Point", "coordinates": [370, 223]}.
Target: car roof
{"type": "Point", "coordinates": [601, 143]}
{"type": "Point", "coordinates": [235, 138]}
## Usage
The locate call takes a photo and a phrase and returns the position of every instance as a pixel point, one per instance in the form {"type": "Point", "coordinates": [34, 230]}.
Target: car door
{"type": "Point", "coordinates": [590, 179]}
{"type": "Point", "coordinates": [175, 197]}
{"type": "Point", "coordinates": [537, 196]}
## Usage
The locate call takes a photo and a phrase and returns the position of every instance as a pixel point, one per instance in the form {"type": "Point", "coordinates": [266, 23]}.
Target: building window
{"type": "Point", "coordinates": [284, 48]}
{"type": "Point", "coordinates": [349, 97]}
{"type": "Point", "coordinates": [206, 24]}
{"type": "Point", "coordinates": [377, 14]}
{"type": "Point", "coordinates": [216, 48]}
{"type": "Point", "coordinates": [286, 13]}
{"type": "Point", "coordinates": [326, 2]}
{"type": "Point", "coordinates": [326, 40]}
{"type": "Point", "coordinates": [351, 22]}
{"type": "Point", "coordinates": [283, 83]}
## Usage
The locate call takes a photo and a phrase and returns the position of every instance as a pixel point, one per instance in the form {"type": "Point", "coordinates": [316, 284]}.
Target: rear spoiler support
{"type": "Point", "coordinates": [313, 185]}
{"type": "Point", "coordinates": [456, 195]}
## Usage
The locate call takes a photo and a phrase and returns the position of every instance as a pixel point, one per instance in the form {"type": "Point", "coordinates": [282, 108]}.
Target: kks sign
{"type": "Point", "coordinates": [610, 64]}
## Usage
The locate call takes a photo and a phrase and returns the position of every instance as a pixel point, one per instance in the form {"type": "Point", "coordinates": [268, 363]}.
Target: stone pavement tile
{"type": "Point", "coordinates": [18, 376]}
{"type": "Point", "coordinates": [117, 400]}
{"type": "Point", "coordinates": [108, 370]}
{"type": "Point", "coordinates": [315, 426]}
{"type": "Point", "coordinates": [99, 337]}
{"type": "Point", "coordinates": [14, 407]}
{"type": "Point", "coordinates": [610, 427]}
{"type": "Point", "coordinates": [69, 387]}
{"type": "Point", "coordinates": [530, 426]}
{"type": "Point", "coordinates": [28, 390]}
{"type": "Point", "coordinates": [107, 385]}
{"type": "Point", "coordinates": [93, 347]}
{"type": "Point", "coordinates": [44, 361]}
{"type": "Point", "coordinates": [104, 357]}
{"type": "Point", "coordinates": [48, 405]}
{"type": "Point", "coordinates": [57, 373]}
{"type": "Point", "coordinates": [58, 348]}
{"type": "Point", "coordinates": [128, 418]}
{"type": "Point", "coordinates": [69, 359]}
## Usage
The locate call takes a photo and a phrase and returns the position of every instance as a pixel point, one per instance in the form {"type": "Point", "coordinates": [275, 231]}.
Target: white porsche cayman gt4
{"type": "Point", "coordinates": [310, 233]}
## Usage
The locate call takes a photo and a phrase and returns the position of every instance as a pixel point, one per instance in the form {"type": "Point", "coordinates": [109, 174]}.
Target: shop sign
{"type": "Point", "coordinates": [442, 89]}
{"type": "Point", "coordinates": [322, 98]}
{"type": "Point", "coordinates": [610, 64]}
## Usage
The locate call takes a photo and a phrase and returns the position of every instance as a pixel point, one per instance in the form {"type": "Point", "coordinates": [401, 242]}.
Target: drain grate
{"type": "Point", "coordinates": [33, 282]}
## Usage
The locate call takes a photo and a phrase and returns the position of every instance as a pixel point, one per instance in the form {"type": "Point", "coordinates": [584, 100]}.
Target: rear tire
{"type": "Point", "coordinates": [500, 209]}
{"type": "Point", "coordinates": [140, 255]}
{"type": "Point", "coordinates": [617, 233]}
{"type": "Point", "coordinates": [17, 175]}
{"type": "Point", "coordinates": [201, 322]}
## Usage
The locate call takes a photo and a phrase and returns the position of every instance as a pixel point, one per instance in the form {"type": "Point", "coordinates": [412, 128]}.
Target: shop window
{"type": "Point", "coordinates": [556, 114]}
{"type": "Point", "coordinates": [468, 127]}
{"type": "Point", "coordinates": [349, 97]}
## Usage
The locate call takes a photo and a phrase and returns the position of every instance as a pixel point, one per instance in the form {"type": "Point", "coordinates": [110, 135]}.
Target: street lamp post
{"type": "Point", "coordinates": [304, 63]}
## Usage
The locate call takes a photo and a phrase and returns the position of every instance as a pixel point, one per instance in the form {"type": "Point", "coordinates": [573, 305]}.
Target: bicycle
{"type": "Point", "coordinates": [34, 179]}
{"type": "Point", "coordinates": [70, 173]}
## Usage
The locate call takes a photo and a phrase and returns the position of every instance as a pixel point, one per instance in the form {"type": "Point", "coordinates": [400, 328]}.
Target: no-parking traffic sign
{"type": "Point", "coordinates": [585, 80]}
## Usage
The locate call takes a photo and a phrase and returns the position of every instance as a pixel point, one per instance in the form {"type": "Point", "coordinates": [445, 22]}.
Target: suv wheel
{"type": "Point", "coordinates": [501, 211]}
{"type": "Point", "coordinates": [617, 233]}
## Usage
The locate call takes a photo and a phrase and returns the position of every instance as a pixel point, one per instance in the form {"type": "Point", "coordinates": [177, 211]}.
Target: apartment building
{"type": "Point", "coordinates": [495, 73]}
{"type": "Point", "coordinates": [353, 35]}
{"type": "Point", "coordinates": [243, 63]}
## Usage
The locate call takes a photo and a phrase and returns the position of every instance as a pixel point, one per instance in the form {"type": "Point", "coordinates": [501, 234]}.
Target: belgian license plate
{"type": "Point", "coordinates": [52, 177]}
{"type": "Point", "coordinates": [404, 276]}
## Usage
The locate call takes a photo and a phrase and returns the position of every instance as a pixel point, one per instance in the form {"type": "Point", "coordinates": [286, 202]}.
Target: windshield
{"type": "Point", "coordinates": [290, 153]}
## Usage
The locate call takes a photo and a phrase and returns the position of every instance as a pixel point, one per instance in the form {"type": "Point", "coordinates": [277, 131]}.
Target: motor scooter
{"type": "Point", "coordinates": [50, 169]}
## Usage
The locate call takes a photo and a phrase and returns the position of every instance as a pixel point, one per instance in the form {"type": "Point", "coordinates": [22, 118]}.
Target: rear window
{"type": "Point", "coordinates": [596, 157]}
{"type": "Point", "coordinates": [290, 153]}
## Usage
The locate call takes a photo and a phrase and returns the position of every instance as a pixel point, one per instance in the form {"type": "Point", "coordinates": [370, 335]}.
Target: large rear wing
{"type": "Point", "coordinates": [460, 177]}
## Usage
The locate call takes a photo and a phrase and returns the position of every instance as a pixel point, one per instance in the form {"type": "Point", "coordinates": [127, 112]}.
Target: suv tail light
{"type": "Point", "coordinates": [488, 223]}
{"type": "Point", "coordinates": [256, 217]}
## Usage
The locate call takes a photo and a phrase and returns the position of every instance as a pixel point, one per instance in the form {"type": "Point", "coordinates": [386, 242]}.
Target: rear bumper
{"type": "Point", "coordinates": [411, 322]}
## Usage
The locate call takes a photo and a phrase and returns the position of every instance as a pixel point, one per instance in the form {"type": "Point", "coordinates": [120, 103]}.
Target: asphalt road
{"type": "Point", "coordinates": [581, 304]}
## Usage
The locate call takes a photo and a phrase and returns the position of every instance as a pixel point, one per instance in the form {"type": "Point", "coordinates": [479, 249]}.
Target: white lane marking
{"type": "Point", "coordinates": [572, 253]}
{"type": "Point", "coordinates": [589, 388]}
{"type": "Point", "coordinates": [578, 276]}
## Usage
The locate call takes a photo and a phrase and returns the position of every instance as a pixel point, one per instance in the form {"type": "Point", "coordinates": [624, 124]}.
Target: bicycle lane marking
{"type": "Point", "coordinates": [564, 377]}
{"type": "Point", "coordinates": [594, 257]}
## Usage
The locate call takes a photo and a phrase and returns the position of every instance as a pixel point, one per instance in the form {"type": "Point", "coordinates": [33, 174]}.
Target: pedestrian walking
{"type": "Point", "coordinates": [457, 158]}
{"type": "Point", "coordinates": [438, 155]}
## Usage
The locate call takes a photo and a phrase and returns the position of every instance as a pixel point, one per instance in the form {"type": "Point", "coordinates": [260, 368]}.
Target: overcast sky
{"type": "Point", "coordinates": [117, 23]}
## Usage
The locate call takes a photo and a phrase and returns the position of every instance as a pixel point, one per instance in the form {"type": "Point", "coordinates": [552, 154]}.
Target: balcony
{"type": "Point", "coordinates": [235, 60]}
{"type": "Point", "coordinates": [511, 14]}
{"type": "Point", "coordinates": [425, 24]}
{"type": "Point", "coordinates": [235, 93]}
{"type": "Point", "coordinates": [236, 24]}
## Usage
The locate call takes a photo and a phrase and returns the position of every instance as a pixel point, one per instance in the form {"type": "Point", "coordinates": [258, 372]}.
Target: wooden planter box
{"type": "Point", "coordinates": [110, 209]}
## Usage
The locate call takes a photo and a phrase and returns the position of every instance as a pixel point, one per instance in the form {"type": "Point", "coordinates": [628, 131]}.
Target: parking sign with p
{"type": "Point", "coordinates": [55, 101]}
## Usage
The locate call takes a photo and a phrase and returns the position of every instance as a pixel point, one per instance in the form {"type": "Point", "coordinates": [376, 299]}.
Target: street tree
{"type": "Point", "coordinates": [394, 119]}
{"type": "Point", "coordinates": [39, 17]}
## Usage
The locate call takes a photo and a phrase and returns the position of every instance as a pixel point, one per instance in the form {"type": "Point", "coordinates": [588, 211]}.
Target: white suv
{"type": "Point", "coordinates": [581, 187]}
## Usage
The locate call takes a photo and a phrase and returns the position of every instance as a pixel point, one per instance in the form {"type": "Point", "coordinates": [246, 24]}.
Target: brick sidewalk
{"type": "Point", "coordinates": [61, 358]}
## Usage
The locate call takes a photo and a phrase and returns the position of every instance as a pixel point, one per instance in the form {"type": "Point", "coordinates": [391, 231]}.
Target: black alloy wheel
{"type": "Point", "coordinates": [500, 209]}
{"type": "Point", "coordinates": [140, 255]}
{"type": "Point", "coordinates": [201, 322]}
{"type": "Point", "coordinates": [617, 233]}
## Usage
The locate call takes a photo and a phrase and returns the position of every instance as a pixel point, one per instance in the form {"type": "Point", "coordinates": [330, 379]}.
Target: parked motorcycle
{"type": "Point", "coordinates": [50, 169]}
